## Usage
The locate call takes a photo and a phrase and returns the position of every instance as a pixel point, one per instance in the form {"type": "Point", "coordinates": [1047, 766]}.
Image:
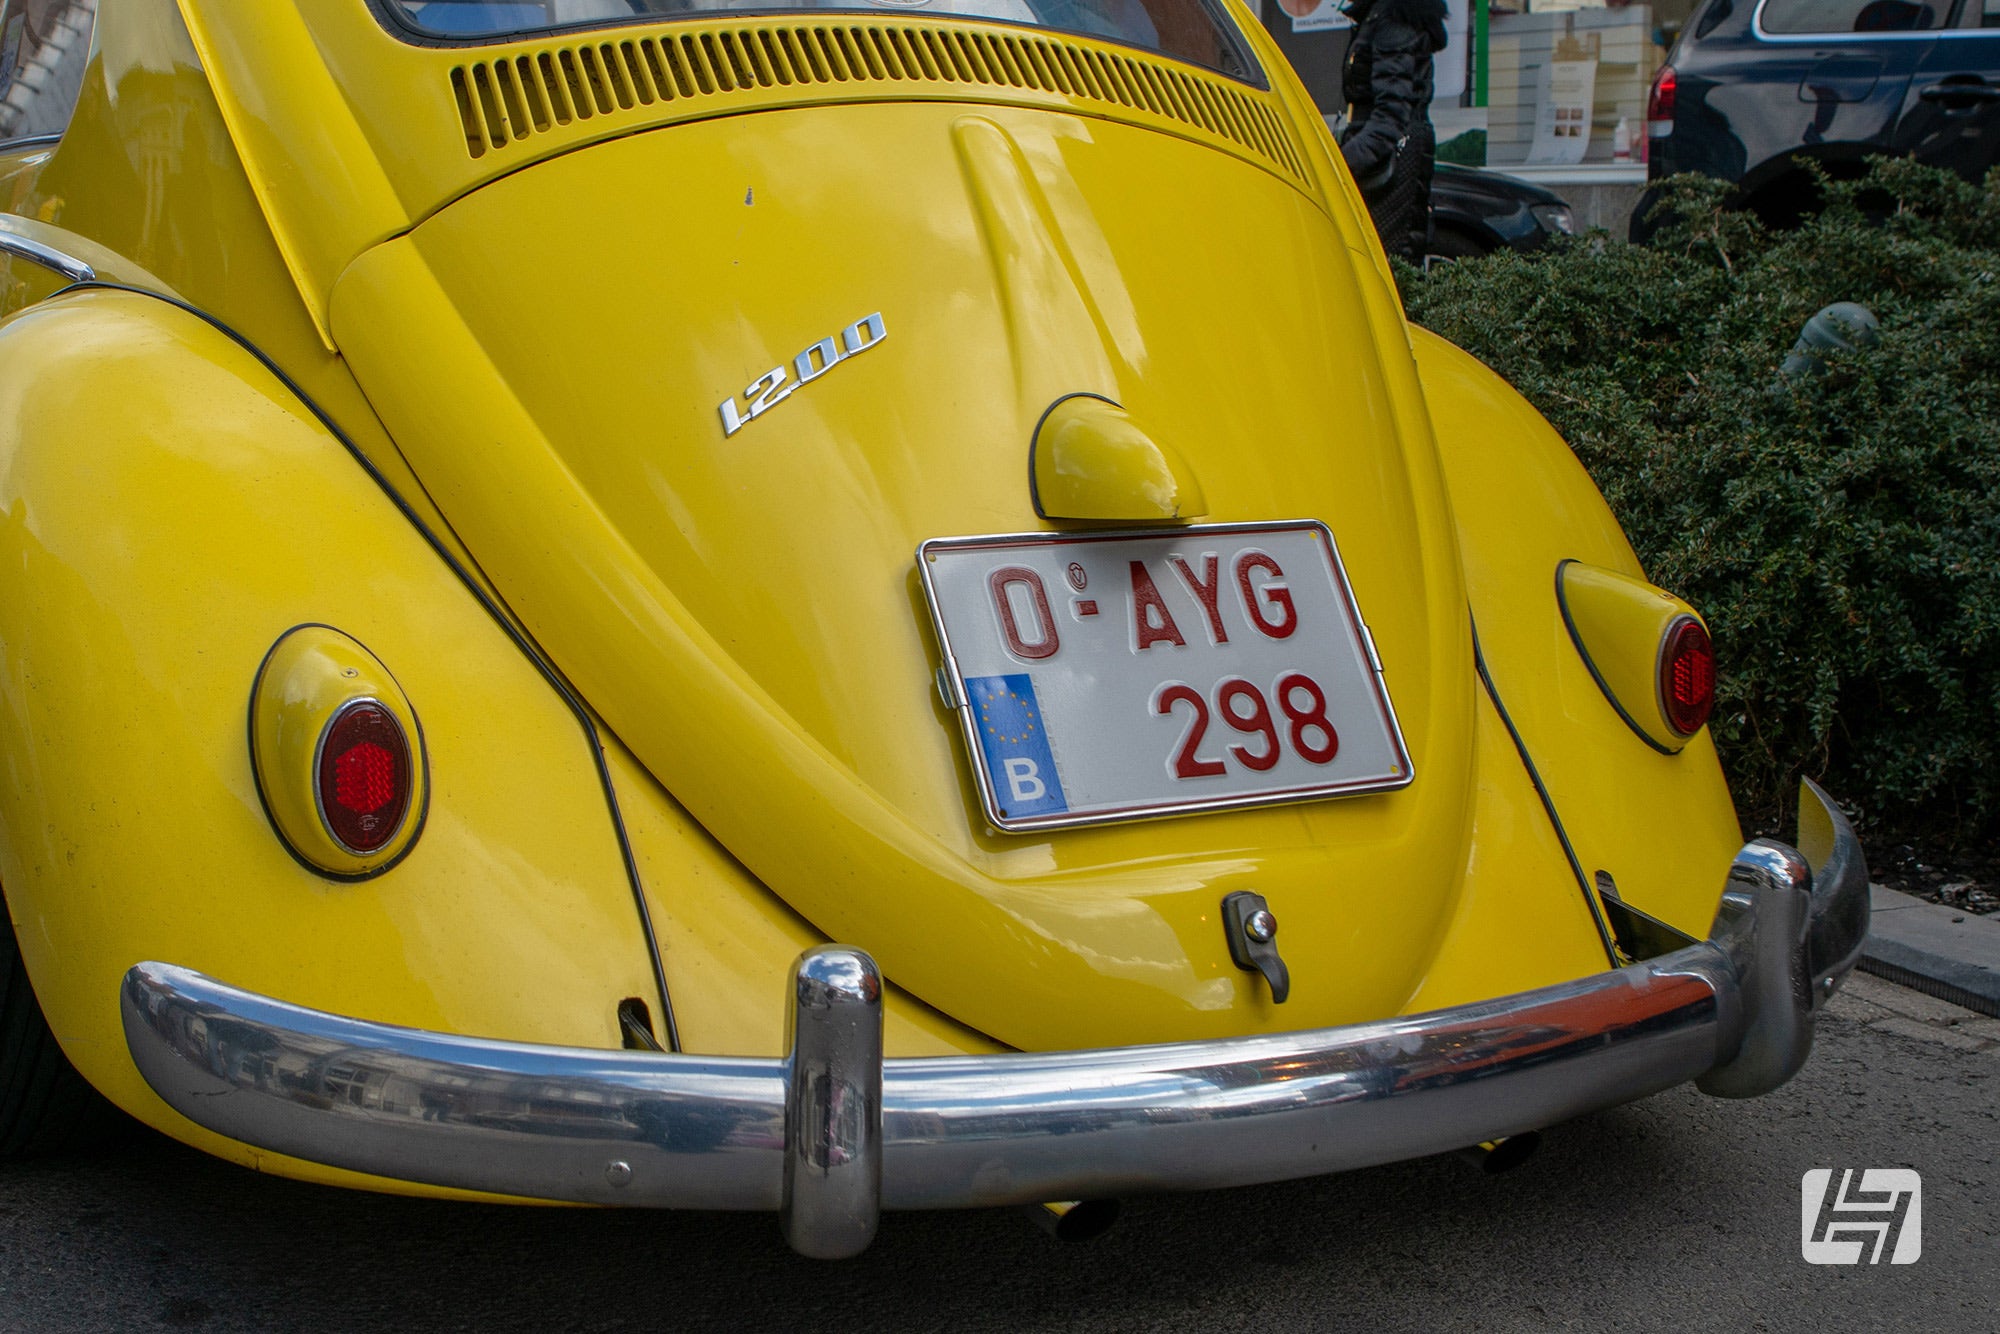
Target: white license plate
{"type": "Point", "coordinates": [1122, 676]}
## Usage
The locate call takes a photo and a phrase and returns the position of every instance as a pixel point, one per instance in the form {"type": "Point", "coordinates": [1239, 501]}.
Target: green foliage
{"type": "Point", "coordinates": [1841, 531]}
{"type": "Point", "coordinates": [1467, 149]}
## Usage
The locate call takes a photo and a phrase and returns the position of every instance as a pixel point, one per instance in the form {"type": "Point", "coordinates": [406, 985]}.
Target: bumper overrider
{"type": "Point", "coordinates": [833, 1134]}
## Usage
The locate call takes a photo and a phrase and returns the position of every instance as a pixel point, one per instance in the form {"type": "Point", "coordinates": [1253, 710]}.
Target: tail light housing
{"type": "Point", "coordinates": [338, 754]}
{"type": "Point", "coordinates": [1645, 648]}
{"type": "Point", "coordinates": [1660, 104]}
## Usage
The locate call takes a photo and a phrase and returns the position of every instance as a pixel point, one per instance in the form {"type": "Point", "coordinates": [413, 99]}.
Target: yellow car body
{"type": "Point", "coordinates": [312, 320]}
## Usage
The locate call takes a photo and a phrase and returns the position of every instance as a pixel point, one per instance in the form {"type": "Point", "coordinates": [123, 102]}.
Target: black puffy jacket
{"type": "Point", "coordinates": [1387, 84]}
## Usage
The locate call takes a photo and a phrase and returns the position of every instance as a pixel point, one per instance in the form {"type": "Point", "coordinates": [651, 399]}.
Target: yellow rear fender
{"type": "Point", "coordinates": [169, 511]}
{"type": "Point", "coordinates": [1649, 824]}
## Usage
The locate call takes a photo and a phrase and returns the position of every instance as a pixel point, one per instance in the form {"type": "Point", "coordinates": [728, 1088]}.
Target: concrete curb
{"type": "Point", "coordinates": [1942, 952]}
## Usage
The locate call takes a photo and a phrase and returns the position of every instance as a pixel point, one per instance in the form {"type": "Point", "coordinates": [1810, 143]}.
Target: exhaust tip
{"type": "Point", "coordinates": [1074, 1220]}
{"type": "Point", "coordinates": [1503, 1155]}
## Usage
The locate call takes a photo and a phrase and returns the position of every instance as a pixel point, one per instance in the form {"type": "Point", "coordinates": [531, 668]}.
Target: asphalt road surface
{"type": "Point", "coordinates": [1681, 1212]}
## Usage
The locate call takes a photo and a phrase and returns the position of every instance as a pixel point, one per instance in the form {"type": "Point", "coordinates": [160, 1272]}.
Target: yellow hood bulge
{"type": "Point", "coordinates": [734, 589]}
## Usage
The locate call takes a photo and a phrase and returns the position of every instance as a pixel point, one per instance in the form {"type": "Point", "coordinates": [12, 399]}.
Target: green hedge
{"type": "Point", "coordinates": [1840, 533]}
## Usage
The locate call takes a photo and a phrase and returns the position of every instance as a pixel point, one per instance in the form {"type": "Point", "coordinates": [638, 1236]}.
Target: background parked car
{"type": "Point", "coordinates": [1475, 212]}
{"type": "Point", "coordinates": [1757, 88]}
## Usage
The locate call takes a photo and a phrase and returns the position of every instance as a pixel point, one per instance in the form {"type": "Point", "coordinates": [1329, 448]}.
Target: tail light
{"type": "Point", "coordinates": [364, 776]}
{"type": "Point", "coordinates": [1660, 104]}
{"type": "Point", "coordinates": [1687, 676]}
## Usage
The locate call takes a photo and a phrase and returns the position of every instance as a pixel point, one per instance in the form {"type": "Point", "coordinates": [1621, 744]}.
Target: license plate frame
{"type": "Point", "coordinates": [985, 653]}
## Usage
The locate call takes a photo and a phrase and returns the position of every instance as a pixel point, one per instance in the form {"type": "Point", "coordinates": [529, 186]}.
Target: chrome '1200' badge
{"type": "Point", "coordinates": [778, 383]}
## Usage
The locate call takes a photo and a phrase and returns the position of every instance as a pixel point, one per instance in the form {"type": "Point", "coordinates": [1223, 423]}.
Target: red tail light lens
{"type": "Point", "coordinates": [1687, 677]}
{"type": "Point", "coordinates": [1660, 105]}
{"type": "Point", "coordinates": [364, 776]}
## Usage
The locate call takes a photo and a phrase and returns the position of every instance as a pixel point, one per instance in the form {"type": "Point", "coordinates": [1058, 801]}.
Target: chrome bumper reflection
{"type": "Point", "coordinates": [833, 1134]}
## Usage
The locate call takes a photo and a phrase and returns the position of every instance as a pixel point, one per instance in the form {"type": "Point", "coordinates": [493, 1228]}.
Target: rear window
{"type": "Point", "coordinates": [1793, 16]}
{"type": "Point", "coordinates": [1190, 30]}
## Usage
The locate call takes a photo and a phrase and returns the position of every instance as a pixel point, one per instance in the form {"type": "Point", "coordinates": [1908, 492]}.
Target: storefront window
{"type": "Point", "coordinates": [1566, 82]}
{"type": "Point", "coordinates": [1553, 88]}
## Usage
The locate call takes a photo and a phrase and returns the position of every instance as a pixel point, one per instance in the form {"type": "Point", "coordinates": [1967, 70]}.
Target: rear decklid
{"type": "Point", "coordinates": [743, 607]}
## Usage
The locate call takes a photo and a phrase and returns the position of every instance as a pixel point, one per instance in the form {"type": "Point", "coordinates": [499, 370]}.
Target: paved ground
{"type": "Point", "coordinates": [1680, 1212]}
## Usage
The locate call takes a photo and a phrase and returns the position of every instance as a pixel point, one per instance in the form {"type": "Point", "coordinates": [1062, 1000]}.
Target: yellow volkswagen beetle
{"type": "Point", "coordinates": [812, 607]}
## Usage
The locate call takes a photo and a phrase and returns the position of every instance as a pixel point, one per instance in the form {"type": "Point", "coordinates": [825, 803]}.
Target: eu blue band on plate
{"type": "Point", "coordinates": [1016, 745]}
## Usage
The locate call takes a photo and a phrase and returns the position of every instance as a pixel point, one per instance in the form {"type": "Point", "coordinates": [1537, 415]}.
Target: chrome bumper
{"type": "Point", "coordinates": [833, 1134]}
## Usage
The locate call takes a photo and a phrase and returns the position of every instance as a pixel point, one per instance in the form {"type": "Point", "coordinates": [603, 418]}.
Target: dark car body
{"type": "Point", "coordinates": [1755, 89]}
{"type": "Point", "coordinates": [1475, 212]}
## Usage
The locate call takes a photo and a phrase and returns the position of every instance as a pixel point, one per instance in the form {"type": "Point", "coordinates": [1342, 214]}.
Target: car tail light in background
{"type": "Point", "coordinates": [338, 754]}
{"type": "Point", "coordinates": [1687, 676]}
{"type": "Point", "coordinates": [364, 776]}
{"type": "Point", "coordinates": [1660, 104]}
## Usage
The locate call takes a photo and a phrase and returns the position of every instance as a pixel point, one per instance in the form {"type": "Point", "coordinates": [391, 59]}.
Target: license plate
{"type": "Point", "coordinates": [1124, 676]}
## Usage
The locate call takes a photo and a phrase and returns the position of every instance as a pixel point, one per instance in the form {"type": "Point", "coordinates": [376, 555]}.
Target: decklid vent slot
{"type": "Point", "coordinates": [523, 91]}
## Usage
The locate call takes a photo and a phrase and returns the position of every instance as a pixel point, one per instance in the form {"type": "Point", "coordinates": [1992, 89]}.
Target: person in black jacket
{"type": "Point", "coordinates": [1388, 142]}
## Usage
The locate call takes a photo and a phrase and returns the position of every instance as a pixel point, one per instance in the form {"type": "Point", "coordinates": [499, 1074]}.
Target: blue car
{"type": "Point", "coordinates": [1756, 89]}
